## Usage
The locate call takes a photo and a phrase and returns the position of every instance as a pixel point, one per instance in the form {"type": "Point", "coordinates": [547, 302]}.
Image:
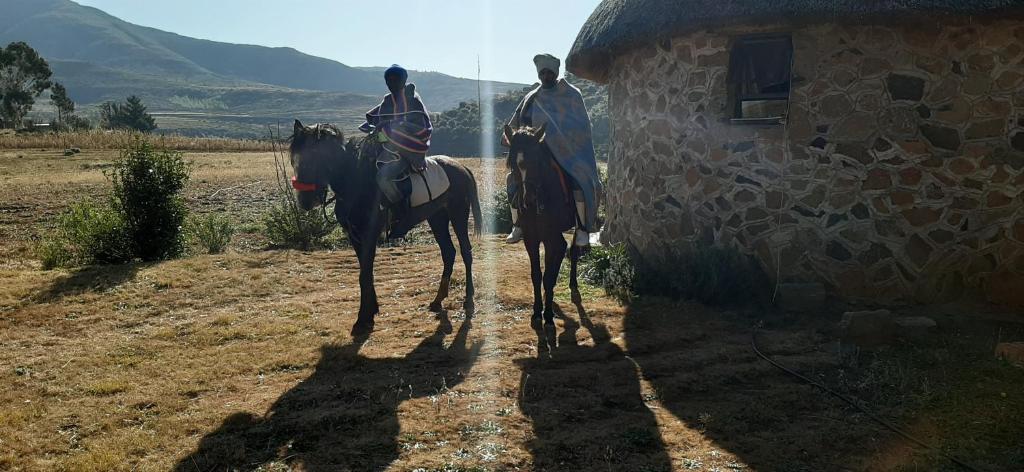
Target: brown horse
{"type": "Point", "coordinates": [321, 158]}
{"type": "Point", "coordinates": [546, 210]}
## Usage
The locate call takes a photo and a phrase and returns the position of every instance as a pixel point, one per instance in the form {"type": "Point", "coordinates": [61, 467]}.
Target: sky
{"type": "Point", "coordinates": [443, 36]}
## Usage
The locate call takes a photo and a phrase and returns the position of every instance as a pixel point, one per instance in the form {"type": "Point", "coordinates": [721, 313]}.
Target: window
{"type": "Point", "coordinates": [759, 78]}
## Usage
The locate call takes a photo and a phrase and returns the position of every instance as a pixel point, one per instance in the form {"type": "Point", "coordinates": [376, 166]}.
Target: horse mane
{"type": "Point", "coordinates": [317, 133]}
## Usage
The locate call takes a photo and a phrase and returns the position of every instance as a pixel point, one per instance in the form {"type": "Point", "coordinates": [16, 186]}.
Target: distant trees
{"type": "Point", "coordinates": [24, 75]}
{"type": "Point", "coordinates": [129, 115]}
{"type": "Point", "coordinates": [67, 120]}
{"type": "Point", "coordinates": [60, 100]}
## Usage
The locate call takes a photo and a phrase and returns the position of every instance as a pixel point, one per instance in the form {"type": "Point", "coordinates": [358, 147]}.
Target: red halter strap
{"type": "Point", "coordinates": [303, 186]}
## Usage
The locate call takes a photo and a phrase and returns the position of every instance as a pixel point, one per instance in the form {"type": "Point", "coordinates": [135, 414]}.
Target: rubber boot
{"type": "Point", "coordinates": [410, 217]}
{"type": "Point", "coordinates": [517, 233]}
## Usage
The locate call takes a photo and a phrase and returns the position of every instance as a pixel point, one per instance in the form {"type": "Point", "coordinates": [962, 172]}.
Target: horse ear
{"type": "Point", "coordinates": [298, 127]}
{"type": "Point", "coordinates": [508, 133]}
{"type": "Point", "coordinates": [541, 132]}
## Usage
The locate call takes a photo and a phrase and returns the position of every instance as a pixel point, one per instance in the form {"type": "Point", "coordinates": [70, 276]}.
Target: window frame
{"type": "Point", "coordinates": [736, 99]}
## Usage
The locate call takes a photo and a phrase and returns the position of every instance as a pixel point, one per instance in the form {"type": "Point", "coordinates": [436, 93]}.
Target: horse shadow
{"type": "Point", "coordinates": [703, 371]}
{"type": "Point", "coordinates": [586, 404]}
{"type": "Point", "coordinates": [344, 416]}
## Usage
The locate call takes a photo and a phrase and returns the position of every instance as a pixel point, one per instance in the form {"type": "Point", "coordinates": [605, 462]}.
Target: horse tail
{"type": "Point", "coordinates": [474, 202]}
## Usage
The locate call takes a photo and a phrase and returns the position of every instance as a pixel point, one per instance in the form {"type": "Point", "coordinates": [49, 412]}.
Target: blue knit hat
{"type": "Point", "coordinates": [396, 70]}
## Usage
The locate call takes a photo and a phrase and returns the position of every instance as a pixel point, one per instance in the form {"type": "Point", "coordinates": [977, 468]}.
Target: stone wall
{"type": "Point", "coordinates": [898, 176]}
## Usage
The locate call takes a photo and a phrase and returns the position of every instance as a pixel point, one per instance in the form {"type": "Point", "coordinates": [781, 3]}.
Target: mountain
{"type": "Point", "coordinates": [100, 57]}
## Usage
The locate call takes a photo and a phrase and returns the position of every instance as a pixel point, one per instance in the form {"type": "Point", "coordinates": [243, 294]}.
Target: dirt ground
{"type": "Point", "coordinates": [243, 361]}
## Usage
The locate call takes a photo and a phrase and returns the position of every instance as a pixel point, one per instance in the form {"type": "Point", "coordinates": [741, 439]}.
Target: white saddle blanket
{"type": "Point", "coordinates": [429, 184]}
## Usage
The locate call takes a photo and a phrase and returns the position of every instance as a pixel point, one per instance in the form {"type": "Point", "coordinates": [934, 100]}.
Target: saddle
{"type": "Point", "coordinates": [420, 187]}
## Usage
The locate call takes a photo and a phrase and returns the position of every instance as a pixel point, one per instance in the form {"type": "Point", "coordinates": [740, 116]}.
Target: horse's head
{"type": "Point", "coordinates": [527, 159]}
{"type": "Point", "coordinates": [315, 153]}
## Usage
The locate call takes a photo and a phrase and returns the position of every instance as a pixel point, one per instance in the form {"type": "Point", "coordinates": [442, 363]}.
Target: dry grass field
{"type": "Point", "coordinates": [117, 139]}
{"type": "Point", "coordinates": [243, 361]}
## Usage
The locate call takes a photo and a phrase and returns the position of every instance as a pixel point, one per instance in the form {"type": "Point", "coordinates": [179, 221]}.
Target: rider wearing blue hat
{"type": "Point", "coordinates": [402, 118]}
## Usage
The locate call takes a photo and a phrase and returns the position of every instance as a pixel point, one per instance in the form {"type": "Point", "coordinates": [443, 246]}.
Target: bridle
{"type": "Point", "coordinates": [314, 187]}
{"type": "Point", "coordinates": [532, 189]}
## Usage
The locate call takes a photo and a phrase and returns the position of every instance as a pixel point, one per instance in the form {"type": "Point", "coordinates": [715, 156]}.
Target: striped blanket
{"type": "Point", "coordinates": [404, 120]}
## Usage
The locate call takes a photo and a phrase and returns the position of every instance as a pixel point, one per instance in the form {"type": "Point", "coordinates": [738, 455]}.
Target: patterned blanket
{"type": "Point", "coordinates": [404, 120]}
{"type": "Point", "coordinates": [568, 135]}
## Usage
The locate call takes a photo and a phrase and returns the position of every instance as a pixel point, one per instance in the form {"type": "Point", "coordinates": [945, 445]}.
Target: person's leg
{"type": "Point", "coordinates": [517, 233]}
{"type": "Point", "coordinates": [582, 238]}
{"type": "Point", "coordinates": [386, 176]}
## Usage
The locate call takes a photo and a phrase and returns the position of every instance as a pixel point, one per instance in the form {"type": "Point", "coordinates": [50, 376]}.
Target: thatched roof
{"type": "Point", "coordinates": [619, 25]}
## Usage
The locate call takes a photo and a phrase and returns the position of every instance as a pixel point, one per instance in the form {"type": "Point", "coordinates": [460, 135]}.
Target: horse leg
{"type": "Point", "coordinates": [439, 226]}
{"type": "Point", "coordinates": [533, 250]}
{"type": "Point", "coordinates": [574, 285]}
{"type": "Point", "coordinates": [460, 222]}
{"type": "Point", "coordinates": [366, 252]}
{"type": "Point", "coordinates": [554, 253]}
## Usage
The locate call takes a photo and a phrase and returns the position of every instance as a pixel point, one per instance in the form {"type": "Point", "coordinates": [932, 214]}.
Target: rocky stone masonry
{"type": "Point", "coordinates": [898, 177]}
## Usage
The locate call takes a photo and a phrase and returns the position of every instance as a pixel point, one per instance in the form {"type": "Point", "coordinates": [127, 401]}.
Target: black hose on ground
{"type": "Point", "coordinates": [855, 404]}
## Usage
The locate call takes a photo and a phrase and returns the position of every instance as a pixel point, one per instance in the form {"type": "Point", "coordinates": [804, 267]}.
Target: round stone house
{"type": "Point", "coordinates": [874, 146]}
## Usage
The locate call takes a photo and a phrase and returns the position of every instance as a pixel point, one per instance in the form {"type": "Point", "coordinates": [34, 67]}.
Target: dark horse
{"type": "Point", "coordinates": [321, 158]}
{"type": "Point", "coordinates": [546, 210]}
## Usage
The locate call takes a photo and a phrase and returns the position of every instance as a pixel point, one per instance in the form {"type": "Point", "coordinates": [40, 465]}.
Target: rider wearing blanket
{"type": "Point", "coordinates": [560, 106]}
{"type": "Point", "coordinates": [404, 125]}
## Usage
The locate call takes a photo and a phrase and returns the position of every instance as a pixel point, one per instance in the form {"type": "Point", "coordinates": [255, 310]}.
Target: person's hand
{"type": "Point", "coordinates": [417, 163]}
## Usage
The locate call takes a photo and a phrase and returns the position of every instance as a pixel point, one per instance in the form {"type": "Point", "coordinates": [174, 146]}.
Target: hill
{"type": "Point", "coordinates": [100, 57]}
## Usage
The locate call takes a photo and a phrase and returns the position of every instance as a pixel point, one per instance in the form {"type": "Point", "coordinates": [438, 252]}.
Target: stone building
{"type": "Point", "coordinates": [876, 146]}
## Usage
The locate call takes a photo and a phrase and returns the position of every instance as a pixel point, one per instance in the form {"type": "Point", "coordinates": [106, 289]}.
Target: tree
{"type": "Point", "coordinates": [129, 115]}
{"type": "Point", "coordinates": [24, 75]}
{"type": "Point", "coordinates": [64, 105]}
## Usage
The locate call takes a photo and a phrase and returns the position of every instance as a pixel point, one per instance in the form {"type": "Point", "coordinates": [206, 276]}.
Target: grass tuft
{"type": "Point", "coordinates": [106, 387]}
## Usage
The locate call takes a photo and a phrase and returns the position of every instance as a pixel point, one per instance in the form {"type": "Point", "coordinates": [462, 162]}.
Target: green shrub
{"type": "Point", "coordinates": [610, 267]}
{"type": "Point", "coordinates": [496, 214]}
{"type": "Point", "coordinates": [212, 232]}
{"type": "Point", "coordinates": [712, 275]}
{"type": "Point", "coordinates": [87, 233]}
{"type": "Point", "coordinates": [147, 186]}
{"type": "Point", "coordinates": [286, 225]}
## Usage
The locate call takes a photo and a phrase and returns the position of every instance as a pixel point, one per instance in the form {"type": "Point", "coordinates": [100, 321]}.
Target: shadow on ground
{"type": "Point", "coordinates": [344, 416]}
{"type": "Point", "coordinates": [703, 370]}
{"type": "Point", "coordinates": [95, 279]}
{"type": "Point", "coordinates": [586, 404]}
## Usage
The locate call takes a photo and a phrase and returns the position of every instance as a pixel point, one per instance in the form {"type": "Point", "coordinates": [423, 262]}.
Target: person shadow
{"type": "Point", "coordinates": [344, 416]}
{"type": "Point", "coordinates": [586, 405]}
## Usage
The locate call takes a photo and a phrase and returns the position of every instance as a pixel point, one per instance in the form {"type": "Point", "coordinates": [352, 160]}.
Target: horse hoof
{"type": "Point", "coordinates": [362, 328]}
{"type": "Point", "coordinates": [436, 307]}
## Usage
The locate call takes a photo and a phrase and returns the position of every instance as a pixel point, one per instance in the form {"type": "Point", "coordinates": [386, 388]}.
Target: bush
{"type": "Point", "coordinates": [212, 232]}
{"type": "Point", "coordinates": [288, 226]}
{"type": "Point", "coordinates": [87, 233]}
{"type": "Point", "coordinates": [147, 192]}
{"type": "Point", "coordinates": [496, 213]}
{"type": "Point", "coordinates": [708, 274]}
{"type": "Point", "coordinates": [610, 267]}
